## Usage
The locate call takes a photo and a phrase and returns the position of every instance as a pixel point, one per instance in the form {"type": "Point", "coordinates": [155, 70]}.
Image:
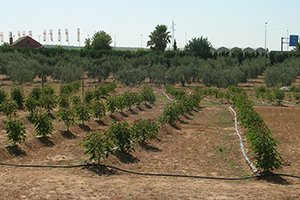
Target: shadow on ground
{"type": "Point", "coordinates": [15, 150]}
{"type": "Point", "coordinates": [101, 170]}
{"type": "Point", "coordinates": [68, 134]}
{"type": "Point", "coordinates": [126, 157]}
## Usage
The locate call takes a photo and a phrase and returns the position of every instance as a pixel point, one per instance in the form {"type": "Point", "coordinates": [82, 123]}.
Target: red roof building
{"type": "Point", "coordinates": [26, 41]}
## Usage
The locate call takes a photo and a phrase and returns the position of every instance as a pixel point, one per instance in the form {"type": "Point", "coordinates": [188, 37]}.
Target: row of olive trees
{"type": "Point", "coordinates": [157, 68]}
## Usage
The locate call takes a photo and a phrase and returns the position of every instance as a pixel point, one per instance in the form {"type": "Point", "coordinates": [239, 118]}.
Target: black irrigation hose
{"type": "Point", "coordinates": [44, 166]}
{"type": "Point", "coordinates": [180, 175]}
{"type": "Point", "coordinates": [152, 174]}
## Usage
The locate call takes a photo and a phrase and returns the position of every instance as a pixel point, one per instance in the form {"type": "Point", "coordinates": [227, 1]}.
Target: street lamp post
{"type": "Point", "coordinates": [266, 36]}
{"type": "Point", "coordinates": [287, 37]}
{"type": "Point", "coordinates": [115, 42]}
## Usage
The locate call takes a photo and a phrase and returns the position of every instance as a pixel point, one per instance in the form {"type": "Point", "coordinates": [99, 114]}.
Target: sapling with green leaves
{"type": "Point", "coordinates": [9, 108]}
{"type": "Point", "coordinates": [112, 104]}
{"type": "Point", "coordinates": [43, 124]}
{"type": "Point", "coordinates": [67, 116]}
{"type": "Point", "coordinates": [97, 146]}
{"type": "Point", "coordinates": [3, 95]}
{"type": "Point", "coordinates": [144, 129]}
{"type": "Point", "coordinates": [120, 135]}
{"type": "Point", "coordinates": [31, 105]}
{"type": "Point", "coordinates": [63, 101]}
{"type": "Point", "coordinates": [17, 95]}
{"type": "Point", "coordinates": [82, 112]}
{"type": "Point", "coordinates": [98, 109]}
{"type": "Point", "coordinates": [15, 130]}
{"type": "Point", "coordinates": [48, 102]}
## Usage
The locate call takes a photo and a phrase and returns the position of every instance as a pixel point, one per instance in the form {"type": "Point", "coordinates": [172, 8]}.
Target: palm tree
{"type": "Point", "coordinates": [159, 38]}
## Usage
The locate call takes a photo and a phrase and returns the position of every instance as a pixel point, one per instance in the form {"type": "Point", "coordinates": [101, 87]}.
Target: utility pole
{"type": "Point", "coordinates": [173, 32]}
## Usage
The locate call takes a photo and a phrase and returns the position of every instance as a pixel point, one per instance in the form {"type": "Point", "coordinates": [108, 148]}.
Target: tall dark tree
{"type": "Point", "coordinates": [175, 48]}
{"type": "Point", "coordinates": [101, 41]}
{"type": "Point", "coordinates": [87, 43]}
{"type": "Point", "coordinates": [159, 38]}
{"type": "Point", "coordinates": [201, 46]}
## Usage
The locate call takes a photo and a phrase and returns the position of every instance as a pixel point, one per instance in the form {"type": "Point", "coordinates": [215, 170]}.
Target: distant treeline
{"type": "Point", "coordinates": [133, 68]}
{"type": "Point", "coordinates": [275, 57]}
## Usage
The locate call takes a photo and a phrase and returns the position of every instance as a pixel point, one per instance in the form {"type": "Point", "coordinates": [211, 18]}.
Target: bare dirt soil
{"type": "Point", "coordinates": [202, 143]}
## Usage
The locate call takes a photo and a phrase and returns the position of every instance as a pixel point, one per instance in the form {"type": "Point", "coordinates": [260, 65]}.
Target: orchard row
{"type": "Point", "coordinates": [71, 107]}
{"type": "Point", "coordinates": [24, 66]}
{"type": "Point", "coordinates": [258, 134]}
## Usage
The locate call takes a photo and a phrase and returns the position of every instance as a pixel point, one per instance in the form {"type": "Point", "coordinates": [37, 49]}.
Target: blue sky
{"type": "Point", "coordinates": [227, 23]}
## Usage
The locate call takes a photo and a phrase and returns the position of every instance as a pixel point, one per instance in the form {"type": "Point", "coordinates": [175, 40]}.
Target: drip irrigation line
{"type": "Point", "coordinates": [180, 175]}
{"type": "Point", "coordinates": [150, 174]}
{"type": "Point", "coordinates": [169, 97]}
{"type": "Point", "coordinates": [253, 168]}
{"type": "Point", "coordinates": [211, 101]}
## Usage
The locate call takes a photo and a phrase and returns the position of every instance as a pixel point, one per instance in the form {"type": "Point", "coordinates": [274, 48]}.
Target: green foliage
{"type": "Point", "coordinates": [17, 95]}
{"type": "Point", "coordinates": [201, 46]}
{"type": "Point", "coordinates": [112, 103]}
{"type": "Point", "coordinates": [63, 100]}
{"type": "Point", "coordinates": [294, 88]}
{"type": "Point", "coordinates": [82, 112]}
{"type": "Point", "coordinates": [98, 109]}
{"type": "Point", "coordinates": [270, 94]}
{"type": "Point", "coordinates": [48, 90]}
{"type": "Point", "coordinates": [111, 87]}
{"type": "Point", "coordinates": [88, 96]}
{"type": "Point", "coordinates": [101, 41]}
{"type": "Point", "coordinates": [175, 48]}
{"type": "Point", "coordinates": [172, 111]}
{"type": "Point", "coordinates": [31, 105]}
{"type": "Point", "coordinates": [69, 88]}
{"type": "Point", "coordinates": [147, 94]}
{"type": "Point", "coordinates": [297, 96]}
{"type": "Point", "coordinates": [258, 135]}
{"type": "Point", "coordinates": [69, 69]}
{"type": "Point", "coordinates": [67, 116]}
{"type": "Point", "coordinates": [76, 100]}
{"type": "Point", "coordinates": [177, 93]}
{"type": "Point", "coordinates": [15, 130]}
{"type": "Point", "coordinates": [159, 38]}
{"type": "Point", "coordinates": [97, 145]}
{"type": "Point", "coordinates": [144, 129]}
{"type": "Point", "coordinates": [48, 102]}
{"type": "Point", "coordinates": [3, 95]}
{"type": "Point", "coordinates": [120, 134]}
{"type": "Point", "coordinates": [9, 108]}
{"type": "Point", "coordinates": [103, 90]}
{"type": "Point", "coordinates": [280, 75]}
{"type": "Point", "coordinates": [121, 102]}
{"type": "Point", "coordinates": [42, 123]}
{"type": "Point", "coordinates": [131, 76]}
{"type": "Point", "coordinates": [35, 93]}
{"type": "Point", "coordinates": [21, 70]}
{"type": "Point", "coordinates": [279, 96]}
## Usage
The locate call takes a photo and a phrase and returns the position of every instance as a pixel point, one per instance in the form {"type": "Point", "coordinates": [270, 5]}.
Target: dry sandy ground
{"type": "Point", "coordinates": [202, 143]}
